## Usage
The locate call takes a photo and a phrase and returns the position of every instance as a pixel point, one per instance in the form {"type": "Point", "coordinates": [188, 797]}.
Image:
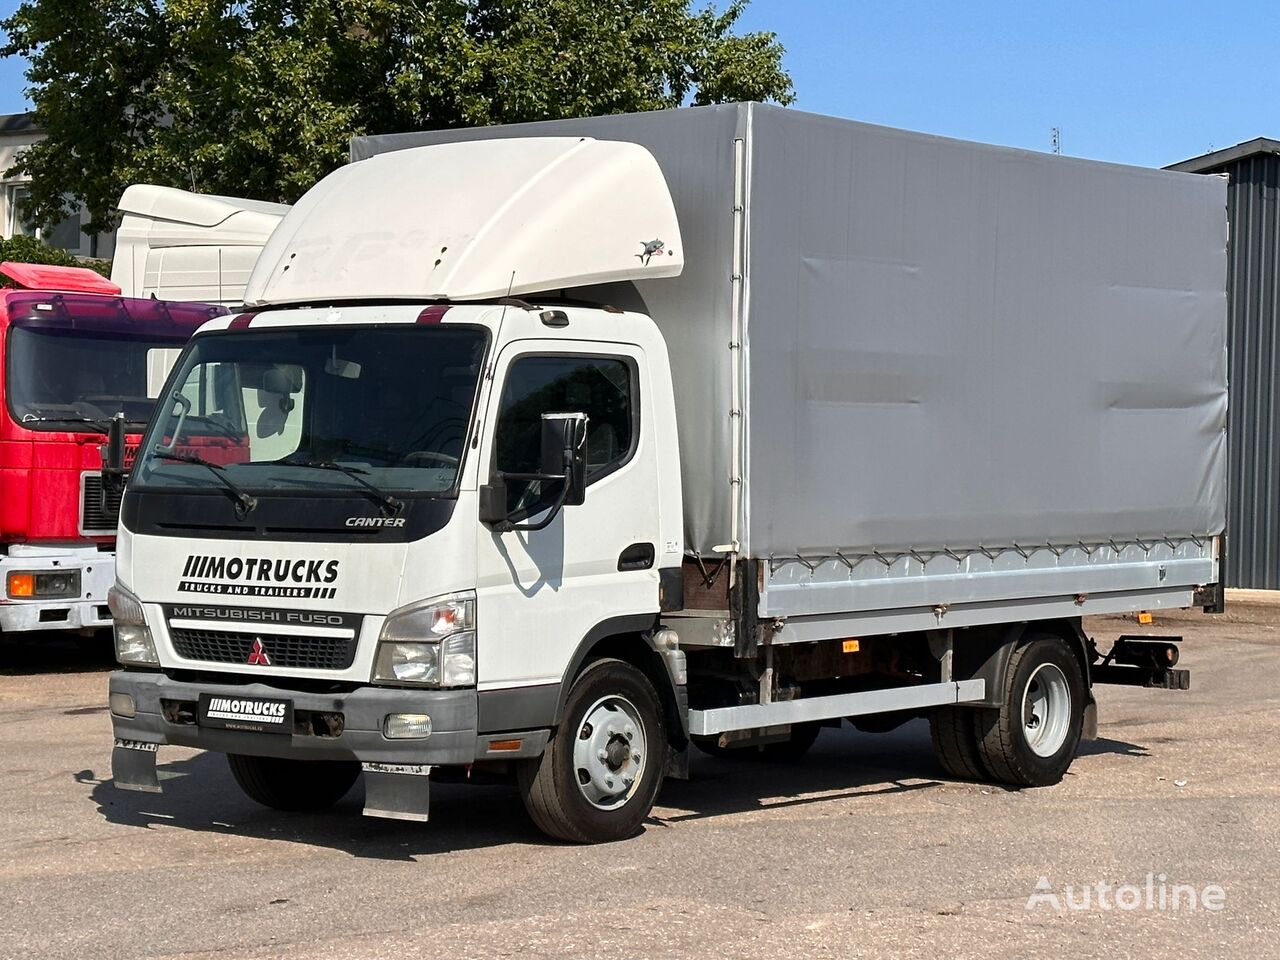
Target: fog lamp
{"type": "Point", "coordinates": [406, 726]}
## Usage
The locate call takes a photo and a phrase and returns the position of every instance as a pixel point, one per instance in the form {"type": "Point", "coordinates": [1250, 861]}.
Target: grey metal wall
{"type": "Point", "coordinates": [1253, 526]}
{"type": "Point", "coordinates": [1253, 290]}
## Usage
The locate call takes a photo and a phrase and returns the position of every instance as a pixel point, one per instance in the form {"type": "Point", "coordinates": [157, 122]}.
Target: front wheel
{"type": "Point", "coordinates": [599, 776]}
{"type": "Point", "coordinates": [1032, 739]}
{"type": "Point", "coordinates": [293, 784]}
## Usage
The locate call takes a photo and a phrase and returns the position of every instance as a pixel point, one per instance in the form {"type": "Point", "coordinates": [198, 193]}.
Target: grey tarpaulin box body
{"type": "Point", "coordinates": [967, 376]}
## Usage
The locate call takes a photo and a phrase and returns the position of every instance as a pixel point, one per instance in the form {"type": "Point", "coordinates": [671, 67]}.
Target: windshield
{"type": "Point", "coordinates": [56, 377]}
{"type": "Point", "coordinates": [318, 410]}
{"type": "Point", "coordinates": [73, 358]}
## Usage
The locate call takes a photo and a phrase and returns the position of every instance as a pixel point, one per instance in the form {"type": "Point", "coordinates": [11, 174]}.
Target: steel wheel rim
{"type": "Point", "coordinates": [610, 753]}
{"type": "Point", "coordinates": [1046, 710]}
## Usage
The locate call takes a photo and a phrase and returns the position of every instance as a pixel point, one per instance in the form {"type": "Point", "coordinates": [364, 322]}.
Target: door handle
{"type": "Point", "coordinates": [638, 556]}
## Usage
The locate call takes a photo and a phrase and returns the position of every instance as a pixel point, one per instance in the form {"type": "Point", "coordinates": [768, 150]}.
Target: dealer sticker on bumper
{"type": "Point", "coordinates": [257, 714]}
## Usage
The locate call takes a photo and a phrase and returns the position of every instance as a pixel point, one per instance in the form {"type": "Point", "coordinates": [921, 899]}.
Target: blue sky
{"type": "Point", "coordinates": [1131, 81]}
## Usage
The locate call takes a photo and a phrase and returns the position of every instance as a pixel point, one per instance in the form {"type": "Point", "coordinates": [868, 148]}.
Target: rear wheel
{"type": "Point", "coordinates": [1032, 739]}
{"type": "Point", "coordinates": [293, 784]}
{"type": "Point", "coordinates": [955, 742]}
{"type": "Point", "coordinates": [599, 776]}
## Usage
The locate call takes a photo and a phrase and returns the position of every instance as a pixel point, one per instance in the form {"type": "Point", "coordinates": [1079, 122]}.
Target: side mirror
{"type": "Point", "coordinates": [563, 458]}
{"type": "Point", "coordinates": [113, 468]}
{"type": "Point", "coordinates": [564, 453]}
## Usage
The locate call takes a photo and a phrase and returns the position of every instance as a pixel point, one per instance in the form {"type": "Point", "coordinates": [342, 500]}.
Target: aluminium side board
{"type": "Point", "coordinates": [919, 377]}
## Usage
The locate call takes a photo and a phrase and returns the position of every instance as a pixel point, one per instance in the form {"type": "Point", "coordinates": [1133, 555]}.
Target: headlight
{"type": "Point", "coordinates": [408, 663]}
{"type": "Point", "coordinates": [134, 645]}
{"type": "Point", "coordinates": [46, 584]}
{"type": "Point", "coordinates": [429, 644]}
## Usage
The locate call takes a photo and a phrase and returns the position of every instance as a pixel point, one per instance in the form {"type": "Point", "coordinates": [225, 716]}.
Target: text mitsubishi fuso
{"type": "Point", "coordinates": [555, 450]}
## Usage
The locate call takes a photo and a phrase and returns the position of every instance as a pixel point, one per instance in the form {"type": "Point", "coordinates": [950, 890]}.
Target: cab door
{"type": "Point", "coordinates": [539, 593]}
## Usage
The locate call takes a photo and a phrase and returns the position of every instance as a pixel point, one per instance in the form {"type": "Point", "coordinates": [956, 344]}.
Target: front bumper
{"type": "Point", "coordinates": [88, 611]}
{"type": "Point", "coordinates": [393, 768]}
{"type": "Point", "coordinates": [453, 721]}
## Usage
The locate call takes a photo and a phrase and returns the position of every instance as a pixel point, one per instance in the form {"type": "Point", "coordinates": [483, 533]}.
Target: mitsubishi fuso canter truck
{"type": "Point", "coordinates": [573, 446]}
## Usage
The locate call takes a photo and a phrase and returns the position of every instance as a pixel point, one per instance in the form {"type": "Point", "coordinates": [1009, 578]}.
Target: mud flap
{"type": "Point", "coordinates": [677, 762]}
{"type": "Point", "coordinates": [397, 791]}
{"type": "Point", "coordinates": [1090, 731]}
{"type": "Point", "coordinates": [133, 766]}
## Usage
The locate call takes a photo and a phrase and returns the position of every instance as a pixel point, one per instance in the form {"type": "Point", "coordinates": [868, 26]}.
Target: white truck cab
{"type": "Point", "coordinates": [177, 245]}
{"type": "Point", "coordinates": [337, 573]}
{"type": "Point", "coordinates": [435, 505]}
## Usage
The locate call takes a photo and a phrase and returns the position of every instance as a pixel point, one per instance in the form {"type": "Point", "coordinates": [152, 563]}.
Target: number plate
{"type": "Point", "coordinates": [256, 714]}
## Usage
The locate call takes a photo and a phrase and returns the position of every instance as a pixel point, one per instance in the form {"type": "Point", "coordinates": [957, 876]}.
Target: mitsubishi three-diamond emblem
{"type": "Point", "coordinates": [258, 655]}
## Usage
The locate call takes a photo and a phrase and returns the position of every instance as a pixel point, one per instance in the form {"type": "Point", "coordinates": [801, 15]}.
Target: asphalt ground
{"type": "Point", "coordinates": [863, 849]}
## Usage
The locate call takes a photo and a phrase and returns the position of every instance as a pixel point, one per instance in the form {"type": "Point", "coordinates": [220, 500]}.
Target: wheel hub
{"type": "Point", "coordinates": [1046, 710]}
{"type": "Point", "coordinates": [619, 752]}
{"type": "Point", "coordinates": [610, 752]}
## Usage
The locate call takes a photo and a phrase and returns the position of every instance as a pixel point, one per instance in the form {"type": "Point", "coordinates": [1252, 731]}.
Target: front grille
{"type": "Point", "coordinates": [304, 653]}
{"type": "Point", "coordinates": [95, 516]}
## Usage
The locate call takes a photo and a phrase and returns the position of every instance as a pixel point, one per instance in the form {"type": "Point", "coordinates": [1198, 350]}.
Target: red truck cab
{"type": "Point", "coordinates": [73, 354]}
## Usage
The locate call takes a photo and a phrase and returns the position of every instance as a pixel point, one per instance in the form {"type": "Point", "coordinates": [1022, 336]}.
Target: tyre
{"type": "Point", "coordinates": [955, 742]}
{"type": "Point", "coordinates": [599, 776]}
{"type": "Point", "coordinates": [1032, 739]}
{"type": "Point", "coordinates": [293, 784]}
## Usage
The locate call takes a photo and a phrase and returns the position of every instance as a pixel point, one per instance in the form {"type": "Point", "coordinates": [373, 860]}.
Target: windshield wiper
{"type": "Point", "coordinates": [98, 425]}
{"type": "Point", "coordinates": [245, 504]}
{"type": "Point", "coordinates": [390, 505]}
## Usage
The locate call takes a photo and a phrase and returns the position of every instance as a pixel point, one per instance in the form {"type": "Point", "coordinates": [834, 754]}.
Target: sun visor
{"type": "Point", "coordinates": [472, 221]}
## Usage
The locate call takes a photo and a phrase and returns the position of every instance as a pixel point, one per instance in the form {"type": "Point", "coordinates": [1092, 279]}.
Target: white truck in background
{"type": "Point", "coordinates": [559, 449]}
{"type": "Point", "coordinates": [177, 245]}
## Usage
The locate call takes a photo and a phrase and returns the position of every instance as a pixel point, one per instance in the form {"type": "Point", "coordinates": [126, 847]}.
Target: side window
{"type": "Point", "coordinates": [160, 361]}
{"type": "Point", "coordinates": [257, 408]}
{"type": "Point", "coordinates": [212, 390]}
{"type": "Point", "coordinates": [602, 388]}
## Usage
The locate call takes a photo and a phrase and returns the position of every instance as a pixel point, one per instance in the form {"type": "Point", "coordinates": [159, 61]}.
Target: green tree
{"type": "Point", "coordinates": [30, 250]}
{"type": "Point", "coordinates": [258, 98]}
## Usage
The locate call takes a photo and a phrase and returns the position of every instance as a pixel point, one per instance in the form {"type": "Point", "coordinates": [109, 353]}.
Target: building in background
{"type": "Point", "coordinates": [1253, 296]}
{"type": "Point", "coordinates": [18, 131]}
